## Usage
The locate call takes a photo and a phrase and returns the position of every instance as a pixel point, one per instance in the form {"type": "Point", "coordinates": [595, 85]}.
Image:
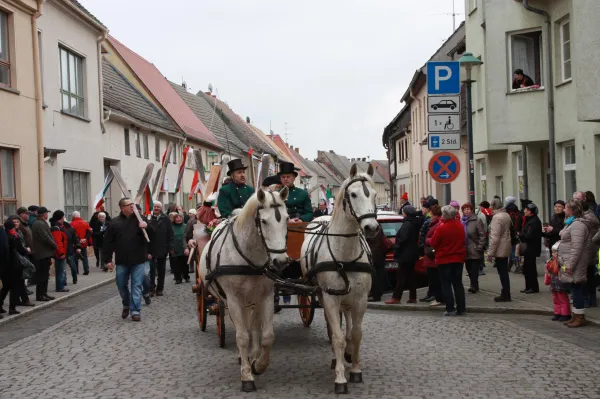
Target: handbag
{"type": "Point", "coordinates": [27, 268]}
{"type": "Point", "coordinates": [430, 253]}
{"type": "Point", "coordinates": [514, 240]}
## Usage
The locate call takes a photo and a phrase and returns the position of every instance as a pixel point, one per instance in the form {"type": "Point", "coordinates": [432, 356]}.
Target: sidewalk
{"type": "Point", "coordinates": [95, 279]}
{"type": "Point", "coordinates": [483, 301]}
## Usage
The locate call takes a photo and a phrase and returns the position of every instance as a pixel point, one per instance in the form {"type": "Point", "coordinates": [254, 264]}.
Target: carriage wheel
{"type": "Point", "coordinates": [307, 314]}
{"type": "Point", "coordinates": [201, 307]}
{"type": "Point", "coordinates": [221, 324]}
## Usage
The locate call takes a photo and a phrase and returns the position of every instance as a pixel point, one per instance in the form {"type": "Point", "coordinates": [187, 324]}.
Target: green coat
{"type": "Point", "coordinates": [299, 205]}
{"type": "Point", "coordinates": [178, 239]}
{"type": "Point", "coordinates": [233, 196]}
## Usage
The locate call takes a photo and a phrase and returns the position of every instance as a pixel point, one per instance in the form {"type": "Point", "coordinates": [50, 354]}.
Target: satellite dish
{"type": "Point", "coordinates": [210, 87]}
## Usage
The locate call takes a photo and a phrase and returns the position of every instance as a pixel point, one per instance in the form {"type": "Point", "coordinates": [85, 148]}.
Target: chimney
{"type": "Point", "coordinates": [298, 150]}
{"type": "Point", "coordinates": [364, 159]}
{"type": "Point", "coordinates": [331, 152]}
{"type": "Point", "coordinates": [184, 85]}
{"type": "Point", "coordinates": [208, 93]}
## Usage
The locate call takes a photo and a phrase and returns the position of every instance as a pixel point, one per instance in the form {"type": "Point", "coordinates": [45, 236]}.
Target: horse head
{"type": "Point", "coordinates": [271, 222]}
{"type": "Point", "coordinates": [358, 199]}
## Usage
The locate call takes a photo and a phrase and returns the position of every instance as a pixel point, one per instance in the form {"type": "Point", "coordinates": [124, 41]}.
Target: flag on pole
{"type": "Point", "coordinates": [186, 150]}
{"type": "Point", "coordinates": [194, 188]}
{"type": "Point", "coordinates": [99, 200]}
{"type": "Point", "coordinates": [259, 177]}
{"type": "Point", "coordinates": [325, 193]}
{"type": "Point", "coordinates": [250, 152]}
{"type": "Point", "coordinates": [148, 203]}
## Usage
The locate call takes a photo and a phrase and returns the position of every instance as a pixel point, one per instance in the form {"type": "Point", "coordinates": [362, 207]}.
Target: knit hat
{"type": "Point", "coordinates": [409, 210]}
{"type": "Point", "coordinates": [510, 200]}
{"type": "Point", "coordinates": [22, 210]}
{"type": "Point", "coordinates": [9, 224]}
{"type": "Point", "coordinates": [404, 196]}
{"type": "Point", "coordinates": [454, 204]}
{"type": "Point", "coordinates": [57, 215]}
{"type": "Point", "coordinates": [534, 209]}
{"type": "Point", "coordinates": [484, 204]}
{"type": "Point", "coordinates": [33, 208]}
{"type": "Point", "coordinates": [192, 211]}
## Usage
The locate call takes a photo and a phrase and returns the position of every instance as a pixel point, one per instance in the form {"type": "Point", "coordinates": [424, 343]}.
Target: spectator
{"type": "Point", "coordinates": [23, 293]}
{"type": "Point", "coordinates": [574, 257]}
{"type": "Point", "coordinates": [560, 296]}
{"type": "Point", "coordinates": [94, 218]}
{"type": "Point", "coordinates": [498, 198]}
{"type": "Point", "coordinates": [423, 200]}
{"type": "Point", "coordinates": [25, 231]}
{"type": "Point", "coordinates": [433, 276]}
{"type": "Point", "coordinates": [71, 245]}
{"type": "Point", "coordinates": [530, 248]}
{"type": "Point", "coordinates": [60, 255]}
{"type": "Point", "coordinates": [404, 202]}
{"type": "Point", "coordinates": [406, 254]}
{"type": "Point", "coordinates": [516, 219]}
{"type": "Point", "coordinates": [322, 210]}
{"type": "Point", "coordinates": [379, 246]}
{"type": "Point", "coordinates": [426, 213]}
{"type": "Point", "coordinates": [450, 251]}
{"type": "Point", "coordinates": [32, 215]}
{"type": "Point", "coordinates": [161, 245]}
{"type": "Point", "coordinates": [178, 258]}
{"type": "Point", "coordinates": [475, 240]}
{"type": "Point", "coordinates": [98, 230]}
{"type": "Point", "coordinates": [589, 202]}
{"type": "Point", "coordinates": [43, 250]}
{"type": "Point", "coordinates": [180, 211]}
{"type": "Point", "coordinates": [4, 260]}
{"type": "Point", "coordinates": [84, 233]}
{"type": "Point", "coordinates": [500, 243]}
{"type": "Point", "coordinates": [11, 272]}
{"type": "Point", "coordinates": [521, 80]}
{"type": "Point", "coordinates": [172, 216]}
{"type": "Point", "coordinates": [454, 204]}
{"type": "Point", "coordinates": [551, 232]}
{"type": "Point", "coordinates": [124, 238]}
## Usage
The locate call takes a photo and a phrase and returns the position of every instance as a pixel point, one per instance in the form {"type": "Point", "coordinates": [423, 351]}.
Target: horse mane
{"type": "Point", "coordinates": [248, 211]}
{"type": "Point", "coordinates": [338, 209]}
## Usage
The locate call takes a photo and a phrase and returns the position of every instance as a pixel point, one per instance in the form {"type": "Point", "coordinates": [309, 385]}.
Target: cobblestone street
{"type": "Point", "coordinates": [95, 354]}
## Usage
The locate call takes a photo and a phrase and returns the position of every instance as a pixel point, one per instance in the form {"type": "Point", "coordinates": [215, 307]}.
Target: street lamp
{"type": "Point", "coordinates": [467, 61]}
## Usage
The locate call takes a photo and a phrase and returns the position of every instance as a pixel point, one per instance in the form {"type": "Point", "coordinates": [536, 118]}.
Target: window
{"type": "Point", "coordinates": [71, 82]}
{"type": "Point", "coordinates": [146, 150]}
{"type": "Point", "coordinates": [127, 146]}
{"type": "Point", "coordinates": [157, 148]}
{"type": "Point", "coordinates": [565, 40]}
{"type": "Point", "coordinates": [520, 178]}
{"type": "Point", "coordinates": [8, 194]}
{"type": "Point", "coordinates": [483, 177]}
{"type": "Point", "coordinates": [76, 193]}
{"type": "Point", "coordinates": [526, 54]}
{"type": "Point", "coordinates": [4, 58]}
{"type": "Point", "coordinates": [569, 167]}
{"type": "Point", "coordinates": [138, 146]}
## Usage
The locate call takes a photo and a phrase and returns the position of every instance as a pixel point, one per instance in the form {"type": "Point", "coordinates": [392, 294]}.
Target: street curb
{"type": "Point", "coordinates": [45, 305]}
{"type": "Point", "coordinates": [470, 309]}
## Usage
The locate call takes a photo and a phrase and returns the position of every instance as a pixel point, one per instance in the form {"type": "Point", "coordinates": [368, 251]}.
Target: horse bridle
{"type": "Point", "coordinates": [257, 220]}
{"type": "Point", "coordinates": [349, 202]}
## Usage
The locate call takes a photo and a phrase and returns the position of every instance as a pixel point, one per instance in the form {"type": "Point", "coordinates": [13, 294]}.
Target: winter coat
{"type": "Point", "coordinates": [557, 221]}
{"type": "Point", "coordinates": [379, 246]}
{"type": "Point", "coordinates": [572, 253]}
{"type": "Point", "coordinates": [84, 232]}
{"type": "Point", "coordinates": [66, 239]}
{"type": "Point", "coordinates": [98, 230]}
{"type": "Point", "coordinates": [178, 244]}
{"type": "Point", "coordinates": [407, 239]}
{"type": "Point", "coordinates": [43, 245]}
{"type": "Point", "coordinates": [449, 242]}
{"type": "Point", "coordinates": [593, 225]}
{"type": "Point", "coordinates": [27, 235]}
{"type": "Point", "coordinates": [125, 239]}
{"type": "Point", "coordinates": [515, 216]}
{"type": "Point", "coordinates": [161, 243]}
{"type": "Point", "coordinates": [531, 234]}
{"type": "Point", "coordinates": [499, 236]}
{"type": "Point", "coordinates": [475, 238]}
{"type": "Point", "coordinates": [433, 224]}
{"type": "Point", "coordinates": [423, 233]}
{"type": "Point", "coordinates": [4, 250]}
{"type": "Point", "coordinates": [189, 229]}
{"type": "Point", "coordinates": [484, 221]}
{"type": "Point", "coordinates": [13, 269]}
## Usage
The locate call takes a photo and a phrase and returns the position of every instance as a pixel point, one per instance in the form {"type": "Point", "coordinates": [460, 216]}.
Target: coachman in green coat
{"type": "Point", "coordinates": [235, 194]}
{"type": "Point", "coordinates": [298, 202]}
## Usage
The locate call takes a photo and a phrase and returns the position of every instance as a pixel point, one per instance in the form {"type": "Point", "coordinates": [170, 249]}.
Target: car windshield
{"type": "Point", "coordinates": [390, 228]}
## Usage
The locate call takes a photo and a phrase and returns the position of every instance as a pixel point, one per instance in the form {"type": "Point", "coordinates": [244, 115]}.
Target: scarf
{"type": "Point", "coordinates": [13, 231]}
{"type": "Point", "coordinates": [569, 220]}
{"type": "Point", "coordinates": [465, 220]}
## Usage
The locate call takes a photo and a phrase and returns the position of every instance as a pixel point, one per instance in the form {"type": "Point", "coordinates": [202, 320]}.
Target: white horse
{"type": "Point", "coordinates": [338, 261]}
{"type": "Point", "coordinates": [232, 263]}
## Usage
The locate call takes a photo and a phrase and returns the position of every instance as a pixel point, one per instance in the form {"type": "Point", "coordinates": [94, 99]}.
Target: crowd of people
{"type": "Point", "coordinates": [502, 234]}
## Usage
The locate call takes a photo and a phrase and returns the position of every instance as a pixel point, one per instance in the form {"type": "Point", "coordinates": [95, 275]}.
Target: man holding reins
{"type": "Point", "coordinates": [298, 202]}
{"type": "Point", "coordinates": [235, 194]}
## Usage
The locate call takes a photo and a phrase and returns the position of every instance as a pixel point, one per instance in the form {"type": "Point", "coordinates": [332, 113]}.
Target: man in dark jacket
{"type": "Point", "coordinates": [429, 297]}
{"type": "Point", "coordinates": [379, 246]}
{"type": "Point", "coordinates": [124, 237]}
{"type": "Point", "coordinates": [161, 245]}
{"type": "Point", "coordinates": [98, 229]}
{"type": "Point", "coordinates": [521, 80]}
{"type": "Point", "coordinates": [322, 210]}
{"type": "Point", "coordinates": [43, 247]}
{"type": "Point", "coordinates": [25, 229]}
{"type": "Point", "coordinates": [531, 237]}
{"type": "Point", "coordinates": [406, 255]}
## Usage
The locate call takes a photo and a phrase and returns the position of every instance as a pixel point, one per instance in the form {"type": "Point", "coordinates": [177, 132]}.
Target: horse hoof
{"type": "Point", "coordinates": [348, 357]}
{"type": "Point", "coordinates": [248, 386]}
{"type": "Point", "coordinates": [333, 364]}
{"type": "Point", "coordinates": [341, 389]}
{"type": "Point", "coordinates": [254, 368]}
{"type": "Point", "coordinates": [356, 378]}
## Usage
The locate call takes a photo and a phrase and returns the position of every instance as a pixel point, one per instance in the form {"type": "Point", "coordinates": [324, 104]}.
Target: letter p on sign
{"type": "Point", "coordinates": [443, 77]}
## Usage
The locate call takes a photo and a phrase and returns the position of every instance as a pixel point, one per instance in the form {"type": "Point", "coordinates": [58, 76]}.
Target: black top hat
{"type": "Point", "coordinates": [287, 167]}
{"type": "Point", "coordinates": [269, 181]}
{"type": "Point", "coordinates": [235, 164]}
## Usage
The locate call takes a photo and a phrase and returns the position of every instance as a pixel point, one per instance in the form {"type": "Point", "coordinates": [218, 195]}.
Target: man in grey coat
{"type": "Point", "coordinates": [43, 248]}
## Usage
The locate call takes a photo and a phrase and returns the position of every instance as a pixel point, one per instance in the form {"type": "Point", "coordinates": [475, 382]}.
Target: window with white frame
{"type": "Point", "coordinates": [520, 178]}
{"type": "Point", "coordinates": [138, 146]}
{"type": "Point", "coordinates": [8, 193]}
{"type": "Point", "coordinates": [483, 177]}
{"type": "Point", "coordinates": [4, 55]}
{"type": "Point", "coordinates": [76, 193]}
{"type": "Point", "coordinates": [565, 41]}
{"type": "Point", "coordinates": [71, 83]}
{"type": "Point", "coordinates": [570, 169]}
{"type": "Point", "coordinates": [526, 54]}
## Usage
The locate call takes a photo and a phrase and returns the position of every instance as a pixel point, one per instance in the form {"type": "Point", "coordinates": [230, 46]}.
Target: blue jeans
{"type": "Point", "coordinates": [133, 300]}
{"type": "Point", "coordinates": [60, 273]}
{"type": "Point", "coordinates": [146, 285]}
{"type": "Point", "coordinates": [578, 293]}
{"type": "Point", "coordinates": [84, 260]}
{"type": "Point", "coordinates": [73, 266]}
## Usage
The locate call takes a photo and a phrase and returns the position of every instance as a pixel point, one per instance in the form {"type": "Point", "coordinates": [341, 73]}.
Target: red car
{"type": "Point", "coordinates": [390, 224]}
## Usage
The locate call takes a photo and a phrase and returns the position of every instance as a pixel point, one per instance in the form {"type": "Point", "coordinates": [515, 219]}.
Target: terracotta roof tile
{"type": "Point", "coordinates": [166, 95]}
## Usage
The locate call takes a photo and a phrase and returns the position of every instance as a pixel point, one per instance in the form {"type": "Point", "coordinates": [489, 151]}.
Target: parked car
{"type": "Point", "coordinates": [444, 104]}
{"type": "Point", "coordinates": [390, 224]}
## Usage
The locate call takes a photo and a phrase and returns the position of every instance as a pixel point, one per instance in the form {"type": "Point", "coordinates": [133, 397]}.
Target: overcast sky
{"type": "Point", "coordinates": [334, 70]}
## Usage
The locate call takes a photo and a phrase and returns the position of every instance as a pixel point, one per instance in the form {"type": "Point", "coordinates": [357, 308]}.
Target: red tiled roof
{"type": "Point", "coordinates": [290, 153]}
{"type": "Point", "coordinates": [166, 95]}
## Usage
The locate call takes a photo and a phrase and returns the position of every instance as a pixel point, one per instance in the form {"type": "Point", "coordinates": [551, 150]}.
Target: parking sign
{"type": "Point", "coordinates": [443, 77]}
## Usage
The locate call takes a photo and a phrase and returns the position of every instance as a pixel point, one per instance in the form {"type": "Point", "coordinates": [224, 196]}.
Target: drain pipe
{"type": "Point", "coordinates": [550, 98]}
{"type": "Point", "coordinates": [37, 79]}
{"type": "Point", "coordinates": [525, 179]}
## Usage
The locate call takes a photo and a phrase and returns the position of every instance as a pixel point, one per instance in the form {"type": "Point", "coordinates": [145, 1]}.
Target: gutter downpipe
{"type": "Point", "coordinates": [416, 199]}
{"type": "Point", "coordinates": [37, 80]}
{"type": "Point", "coordinates": [103, 119]}
{"type": "Point", "coordinates": [550, 98]}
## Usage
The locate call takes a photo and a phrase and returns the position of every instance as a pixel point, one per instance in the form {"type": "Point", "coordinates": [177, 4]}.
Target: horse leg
{"type": "Point", "coordinates": [358, 313]}
{"type": "Point", "coordinates": [242, 338]}
{"type": "Point", "coordinates": [348, 337]}
{"type": "Point", "coordinates": [338, 342]}
{"type": "Point", "coordinates": [264, 318]}
{"type": "Point", "coordinates": [254, 321]}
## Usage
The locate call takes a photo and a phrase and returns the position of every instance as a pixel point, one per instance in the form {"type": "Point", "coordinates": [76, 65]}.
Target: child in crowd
{"type": "Point", "coordinates": [560, 294]}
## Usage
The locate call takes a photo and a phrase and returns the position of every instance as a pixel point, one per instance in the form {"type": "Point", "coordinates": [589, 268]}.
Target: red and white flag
{"type": "Point", "coordinates": [99, 200]}
{"type": "Point", "coordinates": [186, 150]}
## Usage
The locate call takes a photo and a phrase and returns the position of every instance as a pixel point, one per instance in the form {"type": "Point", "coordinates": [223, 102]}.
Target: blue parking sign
{"type": "Point", "coordinates": [443, 77]}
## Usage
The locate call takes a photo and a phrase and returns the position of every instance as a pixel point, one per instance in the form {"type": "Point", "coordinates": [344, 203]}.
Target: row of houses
{"type": "Point", "coordinates": [540, 142]}
{"type": "Point", "coordinates": [75, 101]}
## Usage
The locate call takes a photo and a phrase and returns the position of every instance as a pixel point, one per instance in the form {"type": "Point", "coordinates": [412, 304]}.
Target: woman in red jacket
{"type": "Point", "coordinates": [450, 252]}
{"type": "Point", "coordinates": [429, 259]}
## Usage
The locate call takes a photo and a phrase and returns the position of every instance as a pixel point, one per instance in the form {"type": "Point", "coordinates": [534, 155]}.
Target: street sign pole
{"type": "Point", "coordinates": [468, 83]}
